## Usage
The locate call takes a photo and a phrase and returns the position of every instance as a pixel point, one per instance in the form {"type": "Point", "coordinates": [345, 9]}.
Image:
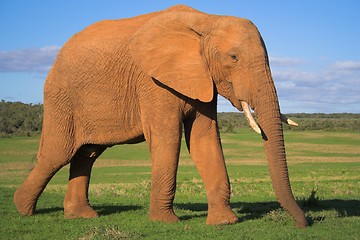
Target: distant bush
{"type": "Point", "coordinates": [325, 122]}
{"type": "Point", "coordinates": [229, 122]}
{"type": "Point", "coordinates": [20, 119]}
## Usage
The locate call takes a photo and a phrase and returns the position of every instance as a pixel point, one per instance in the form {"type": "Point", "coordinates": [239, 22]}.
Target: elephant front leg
{"type": "Point", "coordinates": [205, 149]}
{"type": "Point", "coordinates": [164, 155]}
{"type": "Point", "coordinates": [76, 203]}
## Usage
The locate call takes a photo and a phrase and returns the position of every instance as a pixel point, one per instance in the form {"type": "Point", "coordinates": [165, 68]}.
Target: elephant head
{"type": "Point", "coordinates": [200, 55]}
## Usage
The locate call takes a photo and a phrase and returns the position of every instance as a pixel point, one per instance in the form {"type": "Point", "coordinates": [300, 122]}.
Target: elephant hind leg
{"type": "Point", "coordinates": [76, 203]}
{"type": "Point", "coordinates": [26, 196]}
{"type": "Point", "coordinates": [57, 144]}
{"type": "Point", "coordinates": [55, 152]}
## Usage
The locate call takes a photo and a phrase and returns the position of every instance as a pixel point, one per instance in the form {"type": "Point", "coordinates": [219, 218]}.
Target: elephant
{"type": "Point", "coordinates": [151, 78]}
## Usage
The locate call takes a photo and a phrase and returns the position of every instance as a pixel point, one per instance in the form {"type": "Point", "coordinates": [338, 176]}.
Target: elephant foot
{"type": "Point", "coordinates": [25, 203]}
{"type": "Point", "coordinates": [301, 223]}
{"type": "Point", "coordinates": [80, 211]}
{"type": "Point", "coordinates": [221, 216]}
{"type": "Point", "coordinates": [167, 216]}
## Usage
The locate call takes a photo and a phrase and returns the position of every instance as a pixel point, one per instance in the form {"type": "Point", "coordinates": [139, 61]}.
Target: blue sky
{"type": "Point", "coordinates": [314, 46]}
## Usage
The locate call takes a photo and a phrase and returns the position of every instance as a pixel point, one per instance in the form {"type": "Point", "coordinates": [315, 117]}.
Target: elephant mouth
{"type": "Point", "coordinates": [253, 124]}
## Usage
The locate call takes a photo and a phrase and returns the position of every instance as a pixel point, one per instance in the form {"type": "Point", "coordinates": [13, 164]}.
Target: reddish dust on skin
{"type": "Point", "coordinates": [127, 80]}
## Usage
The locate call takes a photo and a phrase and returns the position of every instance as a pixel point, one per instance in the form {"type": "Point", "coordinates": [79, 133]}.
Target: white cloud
{"type": "Point", "coordinates": [333, 88]}
{"type": "Point", "coordinates": [347, 65]}
{"type": "Point", "coordinates": [28, 60]}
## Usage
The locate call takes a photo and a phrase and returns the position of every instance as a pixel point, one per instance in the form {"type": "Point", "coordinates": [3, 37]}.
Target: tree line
{"type": "Point", "coordinates": [229, 122]}
{"type": "Point", "coordinates": [20, 119]}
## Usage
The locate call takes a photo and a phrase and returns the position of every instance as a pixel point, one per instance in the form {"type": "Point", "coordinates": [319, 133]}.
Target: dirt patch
{"type": "Point", "coordinates": [242, 143]}
{"type": "Point", "coordinates": [31, 140]}
{"type": "Point", "coordinates": [300, 159]}
{"type": "Point", "coordinates": [318, 135]}
{"type": "Point", "coordinates": [17, 153]}
{"type": "Point", "coordinates": [15, 169]}
{"type": "Point", "coordinates": [118, 163]}
{"type": "Point", "coordinates": [246, 162]}
{"type": "Point", "coordinates": [135, 163]}
{"type": "Point", "coordinates": [324, 148]}
{"type": "Point", "coordinates": [326, 178]}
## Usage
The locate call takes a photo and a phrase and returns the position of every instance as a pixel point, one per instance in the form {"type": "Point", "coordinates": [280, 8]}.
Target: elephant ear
{"type": "Point", "coordinates": [167, 48]}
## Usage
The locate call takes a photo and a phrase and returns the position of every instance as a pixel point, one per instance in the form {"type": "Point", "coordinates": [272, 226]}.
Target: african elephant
{"type": "Point", "coordinates": [148, 78]}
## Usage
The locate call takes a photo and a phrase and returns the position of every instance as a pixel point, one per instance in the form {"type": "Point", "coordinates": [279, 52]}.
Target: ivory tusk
{"type": "Point", "coordinates": [249, 117]}
{"type": "Point", "coordinates": [288, 120]}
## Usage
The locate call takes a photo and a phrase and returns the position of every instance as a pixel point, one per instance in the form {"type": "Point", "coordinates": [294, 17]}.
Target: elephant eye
{"type": "Point", "coordinates": [234, 57]}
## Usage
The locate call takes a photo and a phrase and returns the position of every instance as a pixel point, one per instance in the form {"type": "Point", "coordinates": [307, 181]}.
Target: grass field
{"type": "Point", "coordinates": [324, 171]}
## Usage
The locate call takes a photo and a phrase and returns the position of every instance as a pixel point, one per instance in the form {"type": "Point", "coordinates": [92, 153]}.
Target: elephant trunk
{"type": "Point", "coordinates": [269, 117]}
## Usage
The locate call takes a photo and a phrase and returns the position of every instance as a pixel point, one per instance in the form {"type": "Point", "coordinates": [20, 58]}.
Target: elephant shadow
{"type": "Point", "coordinates": [257, 210]}
{"type": "Point", "coordinates": [250, 210]}
{"type": "Point", "coordinates": [102, 210]}
{"type": "Point", "coordinates": [105, 210]}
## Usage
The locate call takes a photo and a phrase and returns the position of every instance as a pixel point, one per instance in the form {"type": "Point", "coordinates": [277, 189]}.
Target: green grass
{"type": "Point", "coordinates": [324, 171]}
